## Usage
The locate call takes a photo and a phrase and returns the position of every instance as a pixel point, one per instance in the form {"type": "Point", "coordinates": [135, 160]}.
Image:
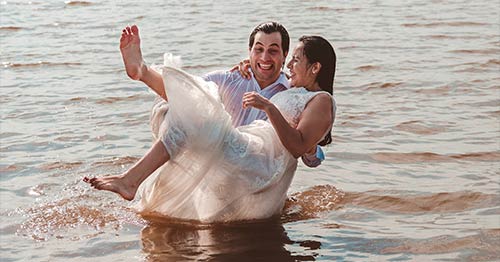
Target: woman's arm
{"type": "Point", "coordinates": [315, 121]}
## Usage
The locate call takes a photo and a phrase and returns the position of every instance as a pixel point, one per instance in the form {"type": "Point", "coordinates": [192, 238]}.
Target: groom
{"type": "Point", "coordinates": [268, 47]}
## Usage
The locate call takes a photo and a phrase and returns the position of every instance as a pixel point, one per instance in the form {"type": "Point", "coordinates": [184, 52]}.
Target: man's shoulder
{"type": "Point", "coordinates": [223, 73]}
{"type": "Point", "coordinates": [224, 76]}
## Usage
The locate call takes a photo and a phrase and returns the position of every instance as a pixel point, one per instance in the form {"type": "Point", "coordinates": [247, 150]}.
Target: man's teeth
{"type": "Point", "coordinates": [265, 67]}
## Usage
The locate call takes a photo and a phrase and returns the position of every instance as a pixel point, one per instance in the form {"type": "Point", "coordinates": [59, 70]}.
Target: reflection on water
{"type": "Point", "coordinates": [165, 239]}
{"type": "Point", "coordinates": [259, 241]}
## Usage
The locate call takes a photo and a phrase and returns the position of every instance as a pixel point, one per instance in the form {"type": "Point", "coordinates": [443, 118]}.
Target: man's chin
{"type": "Point", "coordinates": [266, 75]}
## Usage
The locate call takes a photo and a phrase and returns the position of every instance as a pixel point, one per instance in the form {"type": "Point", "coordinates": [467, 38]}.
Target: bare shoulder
{"type": "Point", "coordinates": [321, 99]}
{"type": "Point", "coordinates": [321, 105]}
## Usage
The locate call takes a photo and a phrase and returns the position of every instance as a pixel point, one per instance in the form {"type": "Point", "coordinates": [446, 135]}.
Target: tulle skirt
{"type": "Point", "coordinates": [217, 173]}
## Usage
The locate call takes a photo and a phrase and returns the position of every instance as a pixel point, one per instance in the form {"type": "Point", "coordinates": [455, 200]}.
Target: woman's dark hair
{"type": "Point", "coordinates": [269, 28]}
{"type": "Point", "coordinates": [318, 49]}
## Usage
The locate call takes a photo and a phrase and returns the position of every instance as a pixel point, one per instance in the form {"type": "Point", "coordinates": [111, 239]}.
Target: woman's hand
{"type": "Point", "coordinates": [243, 67]}
{"type": "Point", "coordinates": [253, 99]}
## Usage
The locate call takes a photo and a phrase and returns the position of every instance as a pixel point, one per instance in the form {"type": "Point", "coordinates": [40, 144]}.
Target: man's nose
{"type": "Point", "coordinates": [266, 56]}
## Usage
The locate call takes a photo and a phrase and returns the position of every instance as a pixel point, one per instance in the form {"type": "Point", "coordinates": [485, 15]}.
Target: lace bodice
{"type": "Point", "coordinates": [292, 102]}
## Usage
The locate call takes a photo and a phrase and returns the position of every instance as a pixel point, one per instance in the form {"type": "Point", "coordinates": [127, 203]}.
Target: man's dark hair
{"type": "Point", "coordinates": [268, 28]}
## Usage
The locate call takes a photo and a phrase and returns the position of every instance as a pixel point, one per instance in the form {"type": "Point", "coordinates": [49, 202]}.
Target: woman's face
{"type": "Point", "coordinates": [301, 74]}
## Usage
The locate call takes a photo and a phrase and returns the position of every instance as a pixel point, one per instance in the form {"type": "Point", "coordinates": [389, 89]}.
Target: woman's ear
{"type": "Point", "coordinates": [316, 67]}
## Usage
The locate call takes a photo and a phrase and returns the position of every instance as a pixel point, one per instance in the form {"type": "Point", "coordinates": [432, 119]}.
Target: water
{"type": "Point", "coordinates": [412, 174]}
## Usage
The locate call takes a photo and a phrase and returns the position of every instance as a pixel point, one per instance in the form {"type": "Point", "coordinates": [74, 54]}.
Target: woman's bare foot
{"type": "Point", "coordinates": [116, 184]}
{"type": "Point", "coordinates": [130, 47]}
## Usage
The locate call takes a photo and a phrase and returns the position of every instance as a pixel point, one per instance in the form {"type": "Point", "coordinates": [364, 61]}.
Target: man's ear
{"type": "Point", "coordinates": [284, 60]}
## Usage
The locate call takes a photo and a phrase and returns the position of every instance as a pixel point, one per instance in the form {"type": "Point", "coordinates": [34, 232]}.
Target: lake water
{"type": "Point", "coordinates": [412, 173]}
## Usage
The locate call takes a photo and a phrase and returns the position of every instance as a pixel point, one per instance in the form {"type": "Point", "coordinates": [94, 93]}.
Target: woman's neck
{"type": "Point", "coordinates": [313, 87]}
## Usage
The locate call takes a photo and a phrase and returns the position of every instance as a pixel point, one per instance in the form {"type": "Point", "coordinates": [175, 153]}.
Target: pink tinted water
{"type": "Point", "coordinates": [412, 174]}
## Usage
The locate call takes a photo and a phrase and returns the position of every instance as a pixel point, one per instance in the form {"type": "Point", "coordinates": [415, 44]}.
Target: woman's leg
{"type": "Point", "coordinates": [126, 184]}
{"type": "Point", "coordinates": [130, 47]}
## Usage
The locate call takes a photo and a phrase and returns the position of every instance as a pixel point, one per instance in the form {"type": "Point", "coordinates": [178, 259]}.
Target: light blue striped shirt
{"type": "Point", "coordinates": [232, 87]}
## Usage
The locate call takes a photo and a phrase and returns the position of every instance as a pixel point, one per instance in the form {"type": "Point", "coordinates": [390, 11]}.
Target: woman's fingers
{"type": "Point", "coordinates": [253, 99]}
{"type": "Point", "coordinates": [248, 99]}
{"type": "Point", "coordinates": [243, 68]}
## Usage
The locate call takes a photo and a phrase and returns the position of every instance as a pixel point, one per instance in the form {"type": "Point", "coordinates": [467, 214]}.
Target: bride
{"type": "Point", "coordinates": [210, 171]}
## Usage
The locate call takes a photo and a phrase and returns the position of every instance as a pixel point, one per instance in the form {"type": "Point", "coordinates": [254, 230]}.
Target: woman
{"type": "Point", "coordinates": [212, 172]}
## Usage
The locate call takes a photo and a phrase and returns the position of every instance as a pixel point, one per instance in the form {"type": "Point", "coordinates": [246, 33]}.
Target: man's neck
{"type": "Point", "coordinates": [264, 84]}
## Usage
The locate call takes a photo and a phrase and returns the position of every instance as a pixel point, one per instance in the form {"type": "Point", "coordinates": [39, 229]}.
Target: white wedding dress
{"type": "Point", "coordinates": [217, 173]}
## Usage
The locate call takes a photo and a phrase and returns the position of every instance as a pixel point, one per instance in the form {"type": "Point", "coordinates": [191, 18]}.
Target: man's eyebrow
{"type": "Point", "coordinates": [273, 44]}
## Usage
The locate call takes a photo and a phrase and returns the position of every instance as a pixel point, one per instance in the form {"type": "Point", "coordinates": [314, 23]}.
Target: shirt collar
{"type": "Point", "coordinates": [281, 80]}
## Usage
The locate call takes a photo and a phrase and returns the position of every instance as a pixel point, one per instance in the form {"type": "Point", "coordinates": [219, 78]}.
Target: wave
{"type": "Point", "coordinates": [479, 67]}
{"type": "Point", "coordinates": [476, 51]}
{"type": "Point", "coordinates": [435, 91]}
{"type": "Point", "coordinates": [77, 99]}
{"type": "Point", "coordinates": [440, 202]}
{"type": "Point", "coordinates": [481, 244]}
{"type": "Point", "coordinates": [311, 203]}
{"type": "Point", "coordinates": [417, 128]}
{"type": "Point", "coordinates": [376, 85]}
{"type": "Point", "coordinates": [438, 24]}
{"type": "Point", "coordinates": [418, 157]}
{"type": "Point", "coordinates": [11, 28]}
{"type": "Point", "coordinates": [60, 165]}
{"type": "Point", "coordinates": [9, 168]}
{"type": "Point", "coordinates": [368, 68]}
{"type": "Point", "coordinates": [38, 64]}
{"type": "Point", "coordinates": [440, 36]}
{"type": "Point", "coordinates": [326, 8]}
{"type": "Point", "coordinates": [61, 218]}
{"type": "Point", "coordinates": [320, 8]}
{"type": "Point", "coordinates": [78, 3]}
{"type": "Point", "coordinates": [118, 161]}
{"type": "Point", "coordinates": [199, 67]}
{"type": "Point", "coordinates": [111, 100]}
{"type": "Point", "coordinates": [77, 209]}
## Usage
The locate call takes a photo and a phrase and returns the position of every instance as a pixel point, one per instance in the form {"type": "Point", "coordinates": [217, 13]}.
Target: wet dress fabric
{"type": "Point", "coordinates": [218, 173]}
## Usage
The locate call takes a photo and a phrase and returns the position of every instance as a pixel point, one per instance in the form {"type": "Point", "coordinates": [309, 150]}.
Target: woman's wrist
{"type": "Point", "coordinates": [269, 107]}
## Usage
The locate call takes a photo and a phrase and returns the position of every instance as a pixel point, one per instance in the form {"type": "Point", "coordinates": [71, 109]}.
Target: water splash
{"type": "Point", "coordinates": [311, 203]}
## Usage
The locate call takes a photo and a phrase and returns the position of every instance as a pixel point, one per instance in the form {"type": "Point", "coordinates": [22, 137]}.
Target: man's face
{"type": "Point", "coordinates": [266, 58]}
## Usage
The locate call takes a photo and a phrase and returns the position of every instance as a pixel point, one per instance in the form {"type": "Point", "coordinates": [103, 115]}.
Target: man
{"type": "Point", "coordinates": [268, 47]}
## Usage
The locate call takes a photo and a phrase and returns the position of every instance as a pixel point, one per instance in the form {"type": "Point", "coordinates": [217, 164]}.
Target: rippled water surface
{"type": "Point", "coordinates": [412, 174]}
